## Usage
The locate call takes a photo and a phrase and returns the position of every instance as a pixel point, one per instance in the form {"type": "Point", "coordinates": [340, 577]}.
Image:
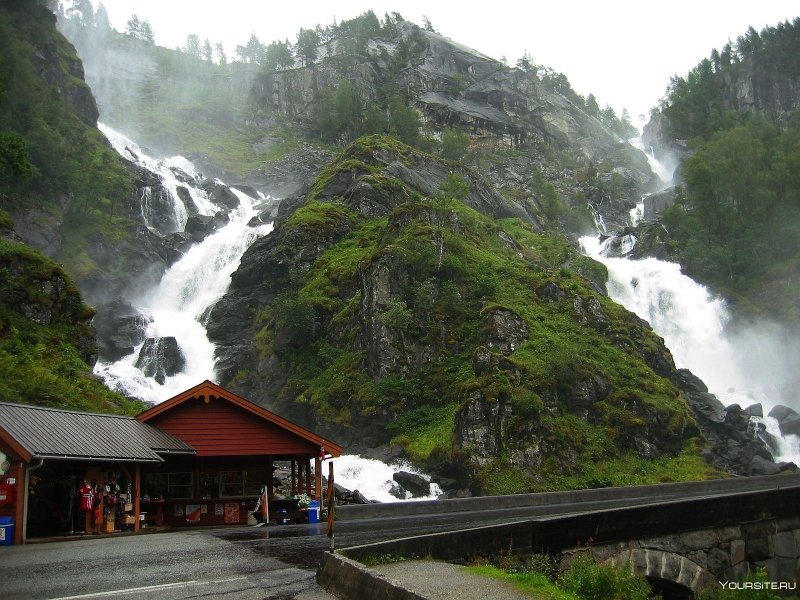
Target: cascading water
{"type": "Point", "coordinates": [373, 479]}
{"type": "Point", "coordinates": [663, 170]}
{"type": "Point", "coordinates": [175, 308]}
{"type": "Point", "coordinates": [693, 324]}
{"type": "Point", "coordinates": [174, 174]}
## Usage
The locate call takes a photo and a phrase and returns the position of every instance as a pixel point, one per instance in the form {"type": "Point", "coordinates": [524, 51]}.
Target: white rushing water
{"type": "Point", "coordinates": [373, 478]}
{"type": "Point", "coordinates": [168, 170]}
{"type": "Point", "coordinates": [741, 369]}
{"type": "Point", "coordinates": [187, 290]}
{"type": "Point", "coordinates": [663, 170]}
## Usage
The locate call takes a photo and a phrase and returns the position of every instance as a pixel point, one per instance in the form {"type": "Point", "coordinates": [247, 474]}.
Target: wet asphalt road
{"type": "Point", "coordinates": [241, 563]}
{"type": "Point", "coordinates": [237, 563]}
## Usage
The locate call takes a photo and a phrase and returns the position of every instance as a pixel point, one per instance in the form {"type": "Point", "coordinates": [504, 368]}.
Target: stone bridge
{"type": "Point", "coordinates": [685, 562]}
{"type": "Point", "coordinates": [680, 544]}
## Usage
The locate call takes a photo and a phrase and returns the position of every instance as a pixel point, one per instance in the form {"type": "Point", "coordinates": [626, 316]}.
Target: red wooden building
{"type": "Point", "coordinates": [200, 458]}
{"type": "Point", "coordinates": [237, 444]}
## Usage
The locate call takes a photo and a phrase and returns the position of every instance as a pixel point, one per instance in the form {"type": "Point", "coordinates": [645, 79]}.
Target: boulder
{"type": "Point", "coordinates": [788, 419]}
{"type": "Point", "coordinates": [755, 410]}
{"type": "Point", "coordinates": [182, 175]}
{"type": "Point", "coordinates": [220, 194]}
{"type": "Point", "coordinates": [762, 466]}
{"type": "Point", "coordinates": [780, 412]}
{"type": "Point", "coordinates": [120, 328]}
{"type": "Point", "coordinates": [738, 444]}
{"type": "Point", "coordinates": [790, 425]}
{"type": "Point", "coordinates": [416, 484]}
{"type": "Point", "coordinates": [160, 358]}
{"type": "Point", "coordinates": [198, 227]}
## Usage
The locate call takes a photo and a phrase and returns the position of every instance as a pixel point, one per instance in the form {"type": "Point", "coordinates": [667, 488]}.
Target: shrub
{"type": "Point", "coordinates": [588, 579]}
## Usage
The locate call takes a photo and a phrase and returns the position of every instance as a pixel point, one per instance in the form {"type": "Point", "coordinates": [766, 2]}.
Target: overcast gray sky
{"type": "Point", "coordinates": [623, 51]}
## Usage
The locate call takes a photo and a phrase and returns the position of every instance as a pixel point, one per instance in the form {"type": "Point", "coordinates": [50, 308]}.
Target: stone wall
{"type": "Point", "coordinates": [697, 559]}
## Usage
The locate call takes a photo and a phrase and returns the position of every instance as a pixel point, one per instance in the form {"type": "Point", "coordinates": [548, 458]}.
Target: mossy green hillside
{"type": "Point", "coordinates": [76, 184]}
{"type": "Point", "coordinates": [449, 268]}
{"type": "Point", "coordinates": [46, 339]}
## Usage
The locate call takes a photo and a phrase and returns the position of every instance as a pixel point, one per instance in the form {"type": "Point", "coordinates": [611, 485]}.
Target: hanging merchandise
{"type": "Point", "coordinates": [86, 497]}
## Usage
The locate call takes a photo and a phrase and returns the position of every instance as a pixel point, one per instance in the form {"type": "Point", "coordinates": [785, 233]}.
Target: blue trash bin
{"type": "Point", "coordinates": [6, 531]}
{"type": "Point", "coordinates": [313, 512]}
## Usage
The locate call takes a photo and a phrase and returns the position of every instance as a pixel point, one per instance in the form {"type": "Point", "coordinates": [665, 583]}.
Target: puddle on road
{"type": "Point", "coordinates": [298, 545]}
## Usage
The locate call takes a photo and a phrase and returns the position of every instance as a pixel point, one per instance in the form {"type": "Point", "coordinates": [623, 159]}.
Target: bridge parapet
{"type": "Point", "coordinates": [690, 543]}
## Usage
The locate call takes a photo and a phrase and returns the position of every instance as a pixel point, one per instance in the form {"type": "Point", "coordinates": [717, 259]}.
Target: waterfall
{"type": "Point", "coordinates": [663, 170]}
{"type": "Point", "coordinates": [373, 478]}
{"type": "Point", "coordinates": [176, 307]}
{"type": "Point", "coordinates": [174, 174]}
{"type": "Point", "coordinates": [694, 324]}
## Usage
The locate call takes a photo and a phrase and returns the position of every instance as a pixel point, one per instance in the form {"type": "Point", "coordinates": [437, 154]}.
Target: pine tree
{"type": "Point", "coordinates": [147, 34]}
{"type": "Point", "coordinates": [134, 27]}
{"type": "Point", "coordinates": [193, 45]}
{"type": "Point", "coordinates": [222, 58]}
{"type": "Point", "coordinates": [208, 53]}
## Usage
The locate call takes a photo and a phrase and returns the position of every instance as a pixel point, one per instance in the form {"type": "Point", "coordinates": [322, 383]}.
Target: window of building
{"type": "Point", "coordinates": [209, 484]}
{"type": "Point", "coordinates": [168, 485]}
{"type": "Point", "coordinates": [242, 483]}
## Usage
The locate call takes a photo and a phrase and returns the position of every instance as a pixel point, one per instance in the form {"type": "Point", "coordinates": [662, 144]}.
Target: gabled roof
{"type": "Point", "coordinates": [41, 432]}
{"type": "Point", "coordinates": [212, 391]}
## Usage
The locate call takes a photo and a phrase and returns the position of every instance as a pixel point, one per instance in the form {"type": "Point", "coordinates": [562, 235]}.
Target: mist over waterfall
{"type": "Point", "coordinates": [176, 307]}
{"type": "Point", "coordinates": [740, 365]}
{"type": "Point", "coordinates": [664, 170]}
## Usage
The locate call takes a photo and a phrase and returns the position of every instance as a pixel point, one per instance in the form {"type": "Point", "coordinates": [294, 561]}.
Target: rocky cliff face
{"type": "Point", "coordinates": [383, 308]}
{"type": "Point", "coordinates": [453, 86]}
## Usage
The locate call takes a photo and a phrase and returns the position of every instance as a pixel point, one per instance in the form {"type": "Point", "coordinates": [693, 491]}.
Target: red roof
{"type": "Point", "coordinates": [198, 418]}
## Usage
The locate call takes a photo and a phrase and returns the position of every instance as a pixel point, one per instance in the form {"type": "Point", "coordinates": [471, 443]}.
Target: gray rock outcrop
{"type": "Point", "coordinates": [160, 358]}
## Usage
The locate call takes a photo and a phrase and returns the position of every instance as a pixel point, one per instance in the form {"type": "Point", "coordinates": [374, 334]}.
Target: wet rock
{"type": "Point", "coordinates": [186, 197]}
{"type": "Point", "coordinates": [158, 209]}
{"type": "Point", "coordinates": [220, 194]}
{"type": "Point", "coordinates": [762, 466]}
{"type": "Point", "coordinates": [755, 410]}
{"type": "Point", "coordinates": [416, 484]}
{"type": "Point", "coordinates": [397, 491]}
{"type": "Point", "coordinates": [198, 227]}
{"type": "Point", "coordinates": [182, 175]}
{"type": "Point", "coordinates": [160, 358]}
{"type": "Point", "coordinates": [736, 445]}
{"type": "Point", "coordinates": [120, 328]}
{"type": "Point", "coordinates": [655, 204]}
{"type": "Point", "coordinates": [788, 419]}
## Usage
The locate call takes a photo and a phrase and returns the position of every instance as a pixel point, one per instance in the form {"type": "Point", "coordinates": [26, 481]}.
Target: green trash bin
{"type": "Point", "coordinates": [6, 531]}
